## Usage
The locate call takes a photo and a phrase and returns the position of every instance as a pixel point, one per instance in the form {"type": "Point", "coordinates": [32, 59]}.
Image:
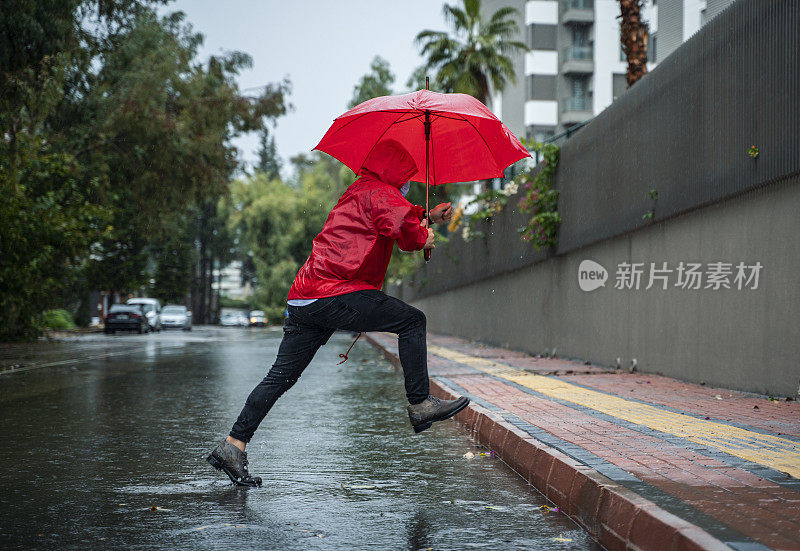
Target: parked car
{"type": "Point", "coordinates": [176, 316]}
{"type": "Point", "coordinates": [233, 319]}
{"type": "Point", "coordinates": [126, 317]}
{"type": "Point", "coordinates": [152, 309]}
{"type": "Point", "coordinates": [258, 318]}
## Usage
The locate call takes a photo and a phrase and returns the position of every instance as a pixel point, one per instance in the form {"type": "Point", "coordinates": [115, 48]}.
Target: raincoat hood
{"type": "Point", "coordinates": [390, 162]}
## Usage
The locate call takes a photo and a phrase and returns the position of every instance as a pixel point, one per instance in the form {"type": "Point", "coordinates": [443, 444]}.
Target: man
{"type": "Point", "coordinates": [338, 287]}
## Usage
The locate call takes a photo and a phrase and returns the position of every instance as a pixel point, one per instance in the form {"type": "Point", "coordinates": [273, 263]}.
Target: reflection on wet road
{"type": "Point", "coordinates": [105, 439]}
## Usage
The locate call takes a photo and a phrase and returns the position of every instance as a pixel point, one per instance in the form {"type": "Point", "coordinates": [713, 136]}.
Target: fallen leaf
{"type": "Point", "coordinates": [718, 397]}
{"type": "Point", "coordinates": [561, 538]}
{"type": "Point", "coordinates": [469, 455]}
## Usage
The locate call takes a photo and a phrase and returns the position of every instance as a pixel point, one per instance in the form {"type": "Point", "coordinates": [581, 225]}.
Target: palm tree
{"type": "Point", "coordinates": [633, 36]}
{"type": "Point", "coordinates": [476, 57]}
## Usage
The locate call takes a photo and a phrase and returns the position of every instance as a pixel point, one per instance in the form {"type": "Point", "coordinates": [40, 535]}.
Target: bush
{"type": "Point", "coordinates": [57, 319]}
{"type": "Point", "coordinates": [227, 302]}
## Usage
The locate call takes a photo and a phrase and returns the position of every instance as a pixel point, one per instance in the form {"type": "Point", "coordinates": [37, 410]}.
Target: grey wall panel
{"type": "Point", "coordinates": [745, 339]}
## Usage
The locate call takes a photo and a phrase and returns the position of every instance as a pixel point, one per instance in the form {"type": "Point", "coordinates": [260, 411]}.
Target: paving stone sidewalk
{"type": "Point", "coordinates": [723, 461]}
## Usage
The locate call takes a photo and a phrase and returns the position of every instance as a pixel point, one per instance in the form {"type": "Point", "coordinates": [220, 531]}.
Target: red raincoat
{"type": "Point", "coordinates": [352, 251]}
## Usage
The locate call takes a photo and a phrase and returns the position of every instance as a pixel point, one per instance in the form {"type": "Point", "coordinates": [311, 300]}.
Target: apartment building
{"type": "Point", "coordinates": [575, 66]}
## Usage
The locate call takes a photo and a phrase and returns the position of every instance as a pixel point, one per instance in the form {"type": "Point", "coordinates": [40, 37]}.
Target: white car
{"type": "Point", "coordinates": [179, 317]}
{"type": "Point", "coordinates": [152, 310]}
{"type": "Point", "coordinates": [229, 319]}
{"type": "Point", "coordinates": [258, 318]}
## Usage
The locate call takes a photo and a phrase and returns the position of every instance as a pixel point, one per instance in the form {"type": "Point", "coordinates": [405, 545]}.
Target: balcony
{"type": "Point", "coordinates": [575, 110]}
{"type": "Point", "coordinates": [577, 11]}
{"type": "Point", "coordinates": [577, 59]}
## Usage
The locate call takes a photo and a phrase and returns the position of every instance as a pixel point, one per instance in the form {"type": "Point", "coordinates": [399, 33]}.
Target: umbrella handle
{"type": "Point", "coordinates": [427, 254]}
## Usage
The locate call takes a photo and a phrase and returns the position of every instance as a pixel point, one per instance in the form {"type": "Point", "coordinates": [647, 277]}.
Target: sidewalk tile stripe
{"type": "Point", "coordinates": [772, 451]}
{"type": "Point", "coordinates": [678, 507]}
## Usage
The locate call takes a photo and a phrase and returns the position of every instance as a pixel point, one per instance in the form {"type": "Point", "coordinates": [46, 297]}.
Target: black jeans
{"type": "Point", "coordinates": [310, 326]}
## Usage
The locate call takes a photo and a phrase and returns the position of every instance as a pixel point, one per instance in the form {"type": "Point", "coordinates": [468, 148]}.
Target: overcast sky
{"type": "Point", "coordinates": [323, 46]}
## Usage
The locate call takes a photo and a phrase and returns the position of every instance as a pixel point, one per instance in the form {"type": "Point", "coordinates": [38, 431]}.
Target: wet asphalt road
{"type": "Point", "coordinates": [105, 439]}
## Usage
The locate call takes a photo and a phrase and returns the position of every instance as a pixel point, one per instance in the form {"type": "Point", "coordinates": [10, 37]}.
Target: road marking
{"type": "Point", "coordinates": [131, 350]}
{"type": "Point", "coordinates": [772, 451]}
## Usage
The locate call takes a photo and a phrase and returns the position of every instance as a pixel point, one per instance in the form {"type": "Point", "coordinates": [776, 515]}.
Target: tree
{"type": "Point", "coordinates": [165, 122]}
{"type": "Point", "coordinates": [52, 209]}
{"type": "Point", "coordinates": [269, 162]}
{"type": "Point", "coordinates": [633, 37]}
{"type": "Point", "coordinates": [115, 150]}
{"type": "Point", "coordinates": [476, 58]}
{"type": "Point", "coordinates": [376, 83]}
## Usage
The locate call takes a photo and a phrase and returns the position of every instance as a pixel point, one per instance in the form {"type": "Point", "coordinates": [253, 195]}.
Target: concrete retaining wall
{"type": "Point", "coordinates": [747, 339]}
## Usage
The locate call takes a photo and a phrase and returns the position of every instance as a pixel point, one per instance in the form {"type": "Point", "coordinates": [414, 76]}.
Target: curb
{"type": "Point", "coordinates": [618, 518]}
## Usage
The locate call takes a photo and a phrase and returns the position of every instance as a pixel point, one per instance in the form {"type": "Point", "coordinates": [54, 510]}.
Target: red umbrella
{"type": "Point", "coordinates": [453, 136]}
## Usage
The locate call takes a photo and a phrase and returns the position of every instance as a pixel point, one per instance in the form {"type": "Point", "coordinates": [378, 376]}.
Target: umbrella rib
{"type": "Point", "coordinates": [357, 117]}
{"type": "Point", "coordinates": [378, 140]}
{"type": "Point", "coordinates": [442, 116]}
{"type": "Point", "coordinates": [484, 141]}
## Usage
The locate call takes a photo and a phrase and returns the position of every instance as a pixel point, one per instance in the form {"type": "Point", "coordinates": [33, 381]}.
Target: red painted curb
{"type": "Point", "coordinates": [618, 518]}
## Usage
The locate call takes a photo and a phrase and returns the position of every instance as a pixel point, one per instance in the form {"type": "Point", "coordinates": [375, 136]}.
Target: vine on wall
{"type": "Point", "coordinates": [539, 198]}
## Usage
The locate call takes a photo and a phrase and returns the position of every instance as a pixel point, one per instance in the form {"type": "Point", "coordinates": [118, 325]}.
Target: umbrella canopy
{"type": "Point", "coordinates": [467, 142]}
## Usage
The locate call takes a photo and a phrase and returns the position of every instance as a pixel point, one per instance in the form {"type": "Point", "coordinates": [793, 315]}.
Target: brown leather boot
{"type": "Point", "coordinates": [233, 461]}
{"type": "Point", "coordinates": [432, 409]}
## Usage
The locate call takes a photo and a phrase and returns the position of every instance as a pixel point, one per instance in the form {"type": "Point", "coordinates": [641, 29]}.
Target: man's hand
{"type": "Point", "coordinates": [429, 243]}
{"type": "Point", "coordinates": [441, 213]}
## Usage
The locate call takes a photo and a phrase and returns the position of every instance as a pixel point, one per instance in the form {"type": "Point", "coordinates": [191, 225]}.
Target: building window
{"type": "Point", "coordinates": [542, 87]}
{"type": "Point", "coordinates": [578, 100]}
{"type": "Point", "coordinates": [618, 85]}
{"type": "Point", "coordinates": [542, 37]}
{"type": "Point", "coordinates": [651, 48]}
{"type": "Point", "coordinates": [580, 36]}
{"type": "Point", "coordinates": [579, 86]}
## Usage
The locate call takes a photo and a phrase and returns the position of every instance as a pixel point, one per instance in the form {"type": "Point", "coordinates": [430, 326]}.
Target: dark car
{"type": "Point", "coordinates": [126, 317]}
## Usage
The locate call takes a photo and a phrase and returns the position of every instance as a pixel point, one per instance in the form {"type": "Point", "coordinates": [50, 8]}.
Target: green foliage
{"type": "Point", "coordinates": [49, 222]}
{"type": "Point", "coordinates": [487, 204]}
{"type": "Point", "coordinates": [57, 319]}
{"type": "Point", "coordinates": [269, 162]}
{"type": "Point", "coordinates": [115, 150]}
{"type": "Point", "coordinates": [403, 264]}
{"type": "Point", "coordinates": [227, 302]}
{"type": "Point", "coordinates": [540, 199]}
{"type": "Point", "coordinates": [477, 56]}
{"type": "Point", "coordinates": [378, 82]}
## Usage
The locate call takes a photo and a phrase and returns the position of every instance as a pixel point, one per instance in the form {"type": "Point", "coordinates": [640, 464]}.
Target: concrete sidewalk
{"type": "Point", "coordinates": [641, 461]}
